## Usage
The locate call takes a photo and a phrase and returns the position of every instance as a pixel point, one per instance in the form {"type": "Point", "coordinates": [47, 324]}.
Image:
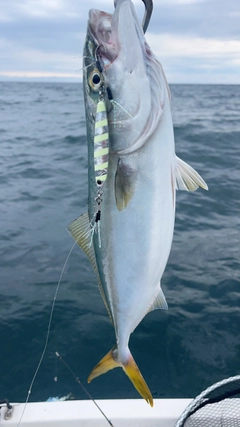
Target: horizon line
{"type": "Point", "coordinates": [70, 79]}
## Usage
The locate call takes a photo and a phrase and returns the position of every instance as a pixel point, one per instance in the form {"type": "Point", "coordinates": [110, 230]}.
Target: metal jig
{"type": "Point", "coordinates": [101, 151]}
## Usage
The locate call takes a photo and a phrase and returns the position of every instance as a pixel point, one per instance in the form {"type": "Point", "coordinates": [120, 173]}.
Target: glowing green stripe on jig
{"type": "Point", "coordinates": [101, 166]}
{"type": "Point", "coordinates": [101, 123]}
{"type": "Point", "coordinates": [101, 152]}
{"type": "Point", "coordinates": [101, 106]}
{"type": "Point", "coordinates": [100, 138]}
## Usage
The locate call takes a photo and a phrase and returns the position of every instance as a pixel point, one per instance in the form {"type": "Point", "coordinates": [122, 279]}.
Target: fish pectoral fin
{"type": "Point", "coordinates": [159, 302]}
{"type": "Point", "coordinates": [124, 184]}
{"type": "Point", "coordinates": [111, 361]}
{"type": "Point", "coordinates": [187, 178]}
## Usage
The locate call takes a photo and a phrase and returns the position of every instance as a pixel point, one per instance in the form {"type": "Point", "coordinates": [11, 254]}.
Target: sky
{"type": "Point", "coordinates": [197, 41]}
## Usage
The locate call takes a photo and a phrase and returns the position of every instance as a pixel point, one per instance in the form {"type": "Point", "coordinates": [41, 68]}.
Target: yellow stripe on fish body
{"type": "Point", "coordinates": [101, 138]}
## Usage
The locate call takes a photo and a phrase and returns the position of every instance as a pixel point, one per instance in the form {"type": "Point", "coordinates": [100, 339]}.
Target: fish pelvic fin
{"type": "Point", "coordinates": [187, 178]}
{"type": "Point", "coordinates": [111, 361]}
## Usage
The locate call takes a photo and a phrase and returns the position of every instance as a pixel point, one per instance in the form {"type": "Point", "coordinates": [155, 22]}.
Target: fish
{"type": "Point", "coordinates": [133, 175]}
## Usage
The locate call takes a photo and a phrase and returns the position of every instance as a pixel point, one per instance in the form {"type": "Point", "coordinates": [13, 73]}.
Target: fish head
{"type": "Point", "coordinates": [92, 81]}
{"type": "Point", "coordinates": [126, 65]}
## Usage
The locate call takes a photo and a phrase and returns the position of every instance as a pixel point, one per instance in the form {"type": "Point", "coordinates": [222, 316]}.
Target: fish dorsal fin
{"type": "Point", "coordinates": [159, 302]}
{"type": "Point", "coordinates": [80, 230]}
{"type": "Point", "coordinates": [124, 184]}
{"type": "Point", "coordinates": [187, 178]}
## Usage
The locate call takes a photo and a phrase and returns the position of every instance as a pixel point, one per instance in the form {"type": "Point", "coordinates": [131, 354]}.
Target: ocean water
{"type": "Point", "coordinates": [43, 187]}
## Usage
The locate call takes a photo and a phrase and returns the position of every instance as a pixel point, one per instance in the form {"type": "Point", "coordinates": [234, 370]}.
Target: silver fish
{"type": "Point", "coordinates": [128, 230]}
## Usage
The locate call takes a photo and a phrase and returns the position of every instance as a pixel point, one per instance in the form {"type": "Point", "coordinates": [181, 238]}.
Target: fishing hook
{"type": "Point", "coordinates": [147, 15]}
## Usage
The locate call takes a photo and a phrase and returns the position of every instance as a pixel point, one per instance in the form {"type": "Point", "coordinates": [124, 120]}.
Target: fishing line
{"type": "Point", "coordinates": [86, 66]}
{"type": "Point", "coordinates": [122, 108]}
{"type": "Point", "coordinates": [47, 336]}
{"type": "Point", "coordinates": [84, 389]}
{"type": "Point", "coordinates": [116, 122]}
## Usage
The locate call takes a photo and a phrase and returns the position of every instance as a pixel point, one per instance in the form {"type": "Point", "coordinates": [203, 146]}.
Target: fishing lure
{"type": "Point", "coordinates": [101, 152]}
{"type": "Point", "coordinates": [101, 138]}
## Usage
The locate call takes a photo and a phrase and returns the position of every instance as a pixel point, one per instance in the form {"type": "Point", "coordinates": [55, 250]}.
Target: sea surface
{"type": "Point", "coordinates": [43, 187]}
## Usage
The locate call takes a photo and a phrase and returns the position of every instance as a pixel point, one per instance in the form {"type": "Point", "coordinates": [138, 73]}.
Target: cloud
{"type": "Point", "coordinates": [184, 46]}
{"type": "Point", "coordinates": [189, 37]}
{"type": "Point", "coordinates": [40, 9]}
{"type": "Point", "coordinates": [207, 19]}
{"type": "Point", "coordinates": [194, 59]}
{"type": "Point", "coordinates": [37, 63]}
{"type": "Point", "coordinates": [37, 74]}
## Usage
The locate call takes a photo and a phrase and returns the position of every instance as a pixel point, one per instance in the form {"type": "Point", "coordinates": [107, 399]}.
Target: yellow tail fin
{"type": "Point", "coordinates": [134, 374]}
{"type": "Point", "coordinates": [130, 368]}
{"type": "Point", "coordinates": [107, 363]}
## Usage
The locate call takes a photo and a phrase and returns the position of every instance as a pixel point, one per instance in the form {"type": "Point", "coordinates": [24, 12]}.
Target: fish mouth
{"type": "Point", "coordinates": [113, 32]}
{"type": "Point", "coordinates": [100, 26]}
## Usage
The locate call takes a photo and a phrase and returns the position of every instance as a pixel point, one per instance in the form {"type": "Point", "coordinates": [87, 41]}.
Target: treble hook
{"type": "Point", "coordinates": [147, 15]}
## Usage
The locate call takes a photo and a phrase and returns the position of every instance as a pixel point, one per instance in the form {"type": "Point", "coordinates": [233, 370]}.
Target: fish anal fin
{"type": "Point", "coordinates": [111, 361]}
{"type": "Point", "coordinates": [80, 230]}
{"type": "Point", "coordinates": [124, 184]}
{"type": "Point", "coordinates": [187, 178]}
{"type": "Point", "coordinates": [159, 302]}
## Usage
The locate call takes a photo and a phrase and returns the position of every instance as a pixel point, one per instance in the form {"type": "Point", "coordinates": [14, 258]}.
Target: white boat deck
{"type": "Point", "coordinates": [83, 413]}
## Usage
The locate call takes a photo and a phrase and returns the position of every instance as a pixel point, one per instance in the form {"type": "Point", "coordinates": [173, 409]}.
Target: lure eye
{"type": "Point", "coordinates": [95, 79]}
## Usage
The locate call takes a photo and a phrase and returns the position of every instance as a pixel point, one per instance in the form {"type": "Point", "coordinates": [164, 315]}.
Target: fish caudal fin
{"type": "Point", "coordinates": [107, 363]}
{"type": "Point", "coordinates": [134, 374]}
{"type": "Point", "coordinates": [110, 361]}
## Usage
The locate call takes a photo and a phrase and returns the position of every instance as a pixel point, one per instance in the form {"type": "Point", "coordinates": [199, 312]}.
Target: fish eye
{"type": "Point", "coordinates": [95, 79]}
